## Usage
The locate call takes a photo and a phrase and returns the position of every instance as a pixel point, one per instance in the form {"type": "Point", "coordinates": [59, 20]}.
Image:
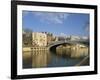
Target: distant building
{"type": "Point", "coordinates": [84, 38]}
{"type": "Point", "coordinates": [74, 38]}
{"type": "Point", "coordinates": [60, 38]}
{"type": "Point", "coordinates": [56, 39]}
{"type": "Point", "coordinates": [39, 39]}
{"type": "Point", "coordinates": [49, 38]}
{"type": "Point", "coordinates": [68, 38]}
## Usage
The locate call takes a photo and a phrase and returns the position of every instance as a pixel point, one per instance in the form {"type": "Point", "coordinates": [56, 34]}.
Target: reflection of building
{"type": "Point", "coordinates": [39, 39]}
{"type": "Point", "coordinates": [39, 59]}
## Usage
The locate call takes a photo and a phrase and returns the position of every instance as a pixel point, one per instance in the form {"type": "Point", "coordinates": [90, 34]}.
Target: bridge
{"type": "Point", "coordinates": [53, 45]}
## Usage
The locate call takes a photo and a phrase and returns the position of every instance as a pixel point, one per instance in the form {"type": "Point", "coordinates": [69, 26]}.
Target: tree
{"type": "Point", "coordinates": [27, 37]}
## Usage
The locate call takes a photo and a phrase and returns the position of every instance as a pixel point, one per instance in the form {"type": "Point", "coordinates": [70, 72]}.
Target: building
{"type": "Point", "coordinates": [49, 38]}
{"type": "Point", "coordinates": [85, 38]}
{"type": "Point", "coordinates": [39, 39]}
{"type": "Point", "coordinates": [56, 38]}
{"type": "Point", "coordinates": [73, 38]}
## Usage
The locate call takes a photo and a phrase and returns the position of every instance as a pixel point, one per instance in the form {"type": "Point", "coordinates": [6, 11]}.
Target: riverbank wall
{"type": "Point", "coordinates": [33, 48]}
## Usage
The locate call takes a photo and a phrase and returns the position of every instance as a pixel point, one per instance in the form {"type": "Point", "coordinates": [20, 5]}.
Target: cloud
{"type": "Point", "coordinates": [55, 18]}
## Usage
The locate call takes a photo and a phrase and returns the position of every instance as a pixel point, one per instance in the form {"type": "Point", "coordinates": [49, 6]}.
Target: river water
{"type": "Point", "coordinates": [61, 58]}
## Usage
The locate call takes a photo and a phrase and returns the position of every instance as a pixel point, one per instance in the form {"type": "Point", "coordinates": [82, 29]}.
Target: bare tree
{"type": "Point", "coordinates": [27, 37]}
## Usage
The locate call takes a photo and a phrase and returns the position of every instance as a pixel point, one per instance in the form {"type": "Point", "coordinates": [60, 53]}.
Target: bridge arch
{"type": "Point", "coordinates": [53, 46]}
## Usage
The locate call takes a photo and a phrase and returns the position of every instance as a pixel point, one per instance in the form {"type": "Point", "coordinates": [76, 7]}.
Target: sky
{"type": "Point", "coordinates": [58, 23]}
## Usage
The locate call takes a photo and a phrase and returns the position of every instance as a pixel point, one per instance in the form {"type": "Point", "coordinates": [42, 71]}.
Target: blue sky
{"type": "Point", "coordinates": [56, 23]}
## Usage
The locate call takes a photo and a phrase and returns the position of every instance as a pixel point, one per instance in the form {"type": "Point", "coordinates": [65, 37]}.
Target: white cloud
{"type": "Point", "coordinates": [55, 18]}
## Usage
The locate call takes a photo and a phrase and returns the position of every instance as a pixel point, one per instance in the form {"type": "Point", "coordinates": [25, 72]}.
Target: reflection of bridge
{"type": "Point", "coordinates": [53, 45]}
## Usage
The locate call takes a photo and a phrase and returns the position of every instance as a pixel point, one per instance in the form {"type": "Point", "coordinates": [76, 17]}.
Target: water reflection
{"type": "Point", "coordinates": [73, 52]}
{"type": "Point", "coordinates": [40, 58]}
{"type": "Point", "coordinates": [64, 56]}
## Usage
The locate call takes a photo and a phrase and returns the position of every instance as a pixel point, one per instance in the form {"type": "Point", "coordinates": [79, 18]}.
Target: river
{"type": "Point", "coordinates": [63, 57]}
